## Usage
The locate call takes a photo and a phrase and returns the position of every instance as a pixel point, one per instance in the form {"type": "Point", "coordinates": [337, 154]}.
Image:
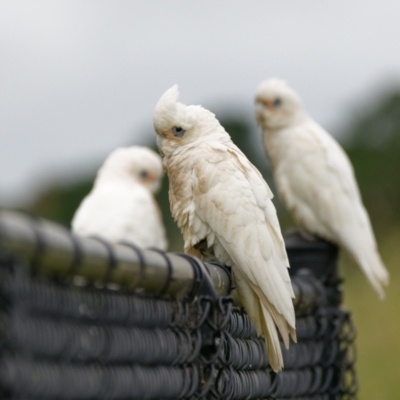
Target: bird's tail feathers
{"type": "Point", "coordinates": [266, 319]}
{"type": "Point", "coordinates": [272, 320]}
{"type": "Point", "coordinates": [272, 341]}
{"type": "Point", "coordinates": [286, 328]}
{"type": "Point", "coordinates": [375, 271]}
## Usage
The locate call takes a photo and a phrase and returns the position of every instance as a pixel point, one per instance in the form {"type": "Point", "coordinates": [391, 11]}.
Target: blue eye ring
{"type": "Point", "coordinates": [143, 174]}
{"type": "Point", "coordinates": [277, 102]}
{"type": "Point", "coordinates": [178, 131]}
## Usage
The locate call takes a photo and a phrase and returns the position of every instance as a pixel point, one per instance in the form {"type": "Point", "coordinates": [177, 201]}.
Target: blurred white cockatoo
{"type": "Point", "coordinates": [315, 178]}
{"type": "Point", "coordinates": [121, 205]}
{"type": "Point", "coordinates": [223, 208]}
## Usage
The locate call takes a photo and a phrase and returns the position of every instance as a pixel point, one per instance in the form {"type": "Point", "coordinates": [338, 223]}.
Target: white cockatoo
{"type": "Point", "coordinates": [121, 205]}
{"type": "Point", "coordinates": [223, 207]}
{"type": "Point", "coordinates": [315, 178]}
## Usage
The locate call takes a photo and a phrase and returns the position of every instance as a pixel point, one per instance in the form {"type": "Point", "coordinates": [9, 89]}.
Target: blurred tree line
{"type": "Point", "coordinates": [373, 146]}
{"type": "Point", "coordinates": [372, 141]}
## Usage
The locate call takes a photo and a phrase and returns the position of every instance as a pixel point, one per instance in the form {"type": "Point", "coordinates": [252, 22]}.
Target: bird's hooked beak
{"type": "Point", "coordinates": [160, 139]}
{"type": "Point", "coordinates": [267, 103]}
{"type": "Point", "coordinates": [153, 182]}
{"type": "Point", "coordinates": [260, 109]}
{"type": "Point", "coordinates": [151, 177]}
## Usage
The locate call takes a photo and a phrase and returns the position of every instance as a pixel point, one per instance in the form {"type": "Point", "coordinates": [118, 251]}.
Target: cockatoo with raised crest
{"type": "Point", "coordinates": [121, 205]}
{"type": "Point", "coordinates": [315, 178]}
{"type": "Point", "coordinates": [223, 207]}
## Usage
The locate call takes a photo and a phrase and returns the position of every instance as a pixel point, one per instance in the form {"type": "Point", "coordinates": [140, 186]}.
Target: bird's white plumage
{"type": "Point", "coordinates": [121, 205]}
{"type": "Point", "coordinates": [218, 195]}
{"type": "Point", "coordinates": [315, 178]}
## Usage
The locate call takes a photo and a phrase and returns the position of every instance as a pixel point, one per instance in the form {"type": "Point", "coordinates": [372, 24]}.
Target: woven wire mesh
{"type": "Point", "coordinates": [61, 341]}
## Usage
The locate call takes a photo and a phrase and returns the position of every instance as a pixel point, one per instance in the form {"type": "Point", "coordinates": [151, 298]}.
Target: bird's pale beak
{"type": "Point", "coordinates": [160, 139]}
{"type": "Point", "coordinates": [151, 177]}
{"type": "Point", "coordinates": [267, 103]}
{"type": "Point", "coordinates": [259, 107]}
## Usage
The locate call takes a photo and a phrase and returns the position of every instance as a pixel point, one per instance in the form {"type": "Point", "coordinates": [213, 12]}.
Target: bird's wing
{"type": "Point", "coordinates": [337, 161]}
{"type": "Point", "coordinates": [315, 179]}
{"type": "Point", "coordinates": [233, 202]}
{"type": "Point", "coordinates": [321, 190]}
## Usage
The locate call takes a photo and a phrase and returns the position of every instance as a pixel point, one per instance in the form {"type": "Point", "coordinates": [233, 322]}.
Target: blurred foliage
{"type": "Point", "coordinates": [59, 203]}
{"type": "Point", "coordinates": [373, 144]}
{"type": "Point", "coordinates": [374, 149]}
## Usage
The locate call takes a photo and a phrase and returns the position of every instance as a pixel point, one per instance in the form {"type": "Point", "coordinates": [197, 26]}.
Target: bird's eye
{"type": "Point", "coordinates": [143, 174]}
{"type": "Point", "coordinates": [277, 103]}
{"type": "Point", "coordinates": [178, 131]}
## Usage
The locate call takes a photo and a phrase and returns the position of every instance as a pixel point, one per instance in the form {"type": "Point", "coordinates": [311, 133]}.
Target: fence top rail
{"type": "Point", "coordinates": [52, 250]}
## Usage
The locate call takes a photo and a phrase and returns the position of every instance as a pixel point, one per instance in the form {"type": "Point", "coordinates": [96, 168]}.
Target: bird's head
{"type": "Point", "coordinates": [277, 105]}
{"type": "Point", "coordinates": [178, 125]}
{"type": "Point", "coordinates": [135, 163]}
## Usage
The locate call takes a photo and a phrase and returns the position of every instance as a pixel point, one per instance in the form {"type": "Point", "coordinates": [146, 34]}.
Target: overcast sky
{"type": "Point", "coordinates": [78, 78]}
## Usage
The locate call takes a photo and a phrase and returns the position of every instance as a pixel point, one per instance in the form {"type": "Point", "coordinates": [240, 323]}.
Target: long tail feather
{"type": "Point", "coordinates": [266, 320]}
{"type": "Point", "coordinates": [272, 341]}
{"type": "Point", "coordinates": [283, 325]}
{"type": "Point", "coordinates": [374, 270]}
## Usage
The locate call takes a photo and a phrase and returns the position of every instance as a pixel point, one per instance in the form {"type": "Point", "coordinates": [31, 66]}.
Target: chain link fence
{"type": "Point", "coordinates": [84, 319]}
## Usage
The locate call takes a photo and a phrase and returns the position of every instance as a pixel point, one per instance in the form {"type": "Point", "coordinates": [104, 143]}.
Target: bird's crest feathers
{"type": "Point", "coordinates": [166, 112]}
{"type": "Point", "coordinates": [168, 101]}
{"type": "Point", "coordinates": [195, 120]}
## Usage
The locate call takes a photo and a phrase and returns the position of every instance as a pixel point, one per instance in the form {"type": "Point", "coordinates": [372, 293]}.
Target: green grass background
{"type": "Point", "coordinates": [377, 323]}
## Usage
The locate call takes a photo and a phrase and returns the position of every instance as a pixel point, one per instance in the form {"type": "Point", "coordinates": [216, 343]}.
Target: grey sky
{"type": "Point", "coordinates": [78, 78]}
